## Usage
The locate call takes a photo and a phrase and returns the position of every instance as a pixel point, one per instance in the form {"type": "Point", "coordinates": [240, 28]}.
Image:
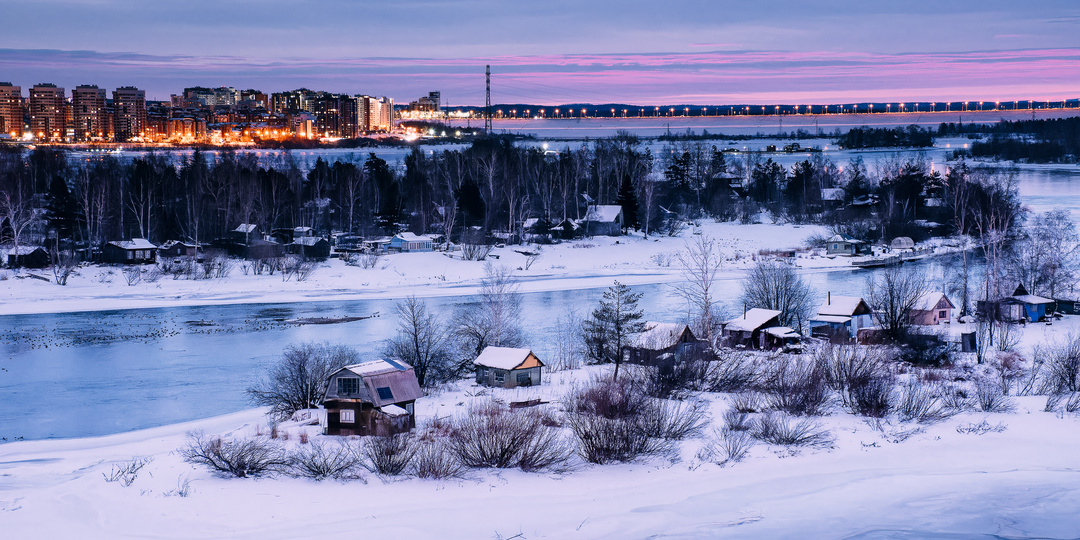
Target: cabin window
{"type": "Point", "coordinates": [385, 393]}
{"type": "Point", "coordinates": [523, 379]}
{"type": "Point", "coordinates": [500, 376]}
{"type": "Point", "coordinates": [941, 314]}
{"type": "Point", "coordinates": [130, 255]}
{"type": "Point", "coordinates": [348, 385]}
{"type": "Point", "coordinates": [347, 416]}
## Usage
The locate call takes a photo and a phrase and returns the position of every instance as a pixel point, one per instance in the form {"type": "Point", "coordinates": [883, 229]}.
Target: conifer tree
{"type": "Point", "coordinates": [613, 324]}
{"type": "Point", "coordinates": [627, 198]}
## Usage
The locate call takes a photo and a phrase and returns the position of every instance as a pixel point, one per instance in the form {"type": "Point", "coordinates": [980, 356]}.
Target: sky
{"type": "Point", "coordinates": [557, 51]}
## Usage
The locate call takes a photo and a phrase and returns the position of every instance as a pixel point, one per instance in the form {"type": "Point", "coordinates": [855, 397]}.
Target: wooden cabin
{"type": "Point", "coordinates": [931, 309]}
{"type": "Point", "coordinates": [842, 244]}
{"type": "Point", "coordinates": [177, 248]}
{"type": "Point", "coordinates": [603, 220]}
{"type": "Point", "coordinates": [841, 317]}
{"type": "Point", "coordinates": [371, 398]}
{"type": "Point", "coordinates": [311, 247]}
{"type": "Point", "coordinates": [661, 344]}
{"type": "Point", "coordinates": [24, 257]}
{"type": "Point", "coordinates": [507, 367]}
{"type": "Point", "coordinates": [747, 330]}
{"type": "Point", "coordinates": [134, 251]}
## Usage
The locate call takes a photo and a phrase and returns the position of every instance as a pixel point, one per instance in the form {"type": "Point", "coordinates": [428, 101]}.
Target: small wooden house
{"type": "Point", "coordinates": [661, 344]}
{"type": "Point", "coordinates": [371, 398]}
{"type": "Point", "coordinates": [407, 242]}
{"type": "Point", "coordinates": [1024, 307]}
{"type": "Point", "coordinates": [841, 317]}
{"type": "Point", "coordinates": [134, 251]}
{"type": "Point", "coordinates": [931, 309]}
{"type": "Point", "coordinates": [177, 248]}
{"type": "Point", "coordinates": [603, 220]}
{"type": "Point", "coordinates": [245, 233]}
{"type": "Point", "coordinates": [842, 244]}
{"type": "Point", "coordinates": [24, 257]}
{"type": "Point", "coordinates": [747, 330]}
{"type": "Point", "coordinates": [507, 367]}
{"type": "Point", "coordinates": [311, 247]}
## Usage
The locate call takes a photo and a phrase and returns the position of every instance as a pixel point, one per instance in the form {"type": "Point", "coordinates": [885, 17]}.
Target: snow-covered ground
{"type": "Point", "coordinates": [907, 480]}
{"type": "Point", "coordinates": [579, 264]}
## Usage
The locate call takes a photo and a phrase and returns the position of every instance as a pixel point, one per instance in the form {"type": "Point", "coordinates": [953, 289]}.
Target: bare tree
{"type": "Point", "coordinates": [299, 379]}
{"type": "Point", "coordinates": [700, 268]}
{"type": "Point", "coordinates": [422, 341]}
{"type": "Point", "coordinates": [893, 292]}
{"type": "Point", "coordinates": [18, 215]}
{"type": "Point", "coordinates": [497, 320]}
{"type": "Point", "coordinates": [1046, 256]}
{"type": "Point", "coordinates": [775, 285]}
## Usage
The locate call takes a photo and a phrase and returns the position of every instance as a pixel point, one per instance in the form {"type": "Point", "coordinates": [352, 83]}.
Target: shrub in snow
{"type": "Point", "coordinates": [732, 371]}
{"type": "Point", "coordinates": [746, 402]}
{"type": "Point", "coordinates": [797, 387]}
{"type": "Point", "coordinates": [320, 460]}
{"type": "Point", "coordinates": [1071, 401]}
{"type": "Point", "coordinates": [607, 440]}
{"type": "Point", "coordinates": [860, 375]}
{"type": "Point", "coordinates": [871, 397]}
{"type": "Point", "coordinates": [235, 457]}
{"type": "Point", "coordinates": [726, 446]}
{"type": "Point", "coordinates": [735, 420]}
{"type": "Point", "coordinates": [990, 397]}
{"type": "Point", "coordinates": [919, 402]}
{"type": "Point", "coordinates": [672, 420]}
{"type": "Point", "coordinates": [981, 428]}
{"type": "Point", "coordinates": [677, 382]}
{"type": "Point", "coordinates": [778, 428]}
{"type": "Point", "coordinates": [434, 460]}
{"type": "Point", "coordinates": [1062, 365]}
{"type": "Point", "coordinates": [389, 455]}
{"type": "Point", "coordinates": [491, 435]}
{"type": "Point", "coordinates": [126, 473]}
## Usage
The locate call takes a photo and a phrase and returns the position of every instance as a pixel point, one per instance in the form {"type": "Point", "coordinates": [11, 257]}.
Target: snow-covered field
{"type": "Point", "coordinates": [1019, 480]}
{"type": "Point", "coordinates": [572, 265]}
{"type": "Point", "coordinates": [905, 480]}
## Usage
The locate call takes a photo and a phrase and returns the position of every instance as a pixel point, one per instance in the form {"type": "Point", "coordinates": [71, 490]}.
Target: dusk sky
{"type": "Point", "coordinates": [648, 53]}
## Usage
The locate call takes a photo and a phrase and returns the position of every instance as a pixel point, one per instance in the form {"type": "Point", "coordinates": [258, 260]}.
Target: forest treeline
{"type": "Point", "coordinates": [493, 185]}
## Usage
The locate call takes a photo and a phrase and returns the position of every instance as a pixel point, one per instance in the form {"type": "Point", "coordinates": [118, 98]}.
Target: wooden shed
{"type": "Point", "coordinates": [661, 344]}
{"type": "Point", "coordinates": [747, 330]}
{"type": "Point", "coordinates": [25, 257]}
{"type": "Point", "coordinates": [507, 367]}
{"type": "Point", "coordinates": [603, 220]}
{"type": "Point", "coordinates": [134, 251]}
{"type": "Point", "coordinates": [371, 398]}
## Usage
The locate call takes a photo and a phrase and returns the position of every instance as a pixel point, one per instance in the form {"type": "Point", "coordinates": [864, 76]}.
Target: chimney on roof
{"type": "Point", "coordinates": [829, 302]}
{"type": "Point", "coordinates": [744, 310]}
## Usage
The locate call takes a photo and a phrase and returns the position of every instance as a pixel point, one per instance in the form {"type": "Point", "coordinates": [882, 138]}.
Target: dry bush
{"type": "Point", "coordinates": [388, 455]}
{"type": "Point", "coordinates": [677, 381]}
{"type": "Point", "coordinates": [956, 400]}
{"type": "Point", "coordinates": [778, 428]}
{"type": "Point", "coordinates": [321, 460]}
{"type": "Point", "coordinates": [475, 252]}
{"type": "Point", "coordinates": [126, 473]}
{"type": "Point", "coordinates": [614, 420]}
{"type": "Point", "coordinates": [797, 387]}
{"type": "Point", "coordinates": [990, 397]}
{"type": "Point", "coordinates": [132, 274]}
{"type": "Point", "coordinates": [234, 457]}
{"type": "Point", "coordinates": [919, 402]}
{"type": "Point", "coordinates": [434, 460]}
{"type": "Point", "coordinates": [726, 446]}
{"type": "Point", "coordinates": [732, 371]}
{"type": "Point", "coordinates": [491, 435]}
{"type": "Point", "coordinates": [746, 402]}
{"type": "Point", "coordinates": [735, 420]}
{"type": "Point", "coordinates": [871, 397]}
{"type": "Point", "coordinates": [1062, 365]}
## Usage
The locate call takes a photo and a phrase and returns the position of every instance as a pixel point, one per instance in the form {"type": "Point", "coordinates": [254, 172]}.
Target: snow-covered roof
{"type": "Point", "coordinates": [134, 243]}
{"type": "Point", "coordinates": [782, 332]}
{"type": "Point", "coordinates": [410, 237]}
{"type": "Point", "coordinates": [902, 242]}
{"type": "Point", "coordinates": [843, 306]}
{"type": "Point", "coordinates": [531, 222]}
{"type": "Point", "coordinates": [21, 250]}
{"type": "Point", "coordinates": [502, 357]}
{"type": "Point", "coordinates": [658, 335]}
{"type": "Point", "coordinates": [603, 213]}
{"type": "Point", "coordinates": [751, 320]}
{"type": "Point", "coordinates": [845, 238]}
{"type": "Point", "coordinates": [928, 301]}
{"type": "Point", "coordinates": [393, 410]}
{"type": "Point", "coordinates": [1032, 299]}
{"type": "Point", "coordinates": [246, 228]}
{"type": "Point", "coordinates": [307, 240]}
{"type": "Point", "coordinates": [839, 319]}
{"type": "Point", "coordinates": [377, 367]}
{"type": "Point", "coordinates": [302, 229]}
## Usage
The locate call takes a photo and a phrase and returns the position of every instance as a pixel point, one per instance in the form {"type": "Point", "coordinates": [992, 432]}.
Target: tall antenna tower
{"type": "Point", "coordinates": [487, 112]}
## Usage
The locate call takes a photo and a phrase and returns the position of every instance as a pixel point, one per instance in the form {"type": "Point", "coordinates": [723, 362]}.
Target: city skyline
{"type": "Point", "coordinates": [688, 52]}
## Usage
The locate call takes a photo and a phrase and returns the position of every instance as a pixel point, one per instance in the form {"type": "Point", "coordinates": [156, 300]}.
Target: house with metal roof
{"type": "Point", "coordinates": [931, 309]}
{"type": "Point", "coordinates": [407, 241]}
{"type": "Point", "coordinates": [603, 220]}
{"type": "Point", "coordinates": [661, 344]}
{"type": "Point", "coordinates": [842, 244]}
{"type": "Point", "coordinates": [507, 367]}
{"type": "Point", "coordinates": [371, 398]}
{"type": "Point", "coordinates": [748, 330]}
{"type": "Point", "coordinates": [134, 251]}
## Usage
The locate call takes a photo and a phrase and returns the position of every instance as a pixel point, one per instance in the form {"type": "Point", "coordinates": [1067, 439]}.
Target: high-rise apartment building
{"type": "Point", "coordinates": [377, 113]}
{"type": "Point", "coordinates": [47, 112]}
{"type": "Point", "coordinates": [129, 109]}
{"type": "Point", "coordinates": [11, 110]}
{"type": "Point", "coordinates": [89, 118]}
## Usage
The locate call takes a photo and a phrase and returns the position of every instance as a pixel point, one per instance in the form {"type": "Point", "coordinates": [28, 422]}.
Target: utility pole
{"type": "Point", "coordinates": [487, 112]}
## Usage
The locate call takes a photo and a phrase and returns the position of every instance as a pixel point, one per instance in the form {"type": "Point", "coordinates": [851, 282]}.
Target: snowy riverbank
{"type": "Point", "coordinates": [593, 262]}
